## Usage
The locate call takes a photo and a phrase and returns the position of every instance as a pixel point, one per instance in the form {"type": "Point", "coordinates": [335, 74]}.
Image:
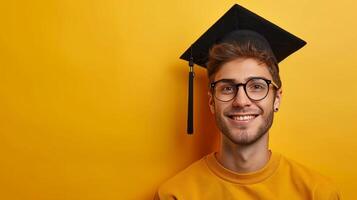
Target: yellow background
{"type": "Point", "coordinates": [93, 95]}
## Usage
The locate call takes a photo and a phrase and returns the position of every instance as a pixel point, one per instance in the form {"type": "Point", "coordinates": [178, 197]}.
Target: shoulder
{"type": "Point", "coordinates": [186, 181]}
{"type": "Point", "coordinates": [322, 187]}
{"type": "Point", "coordinates": [300, 171]}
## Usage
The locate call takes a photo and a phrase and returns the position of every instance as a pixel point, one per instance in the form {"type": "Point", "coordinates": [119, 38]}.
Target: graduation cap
{"type": "Point", "coordinates": [227, 29]}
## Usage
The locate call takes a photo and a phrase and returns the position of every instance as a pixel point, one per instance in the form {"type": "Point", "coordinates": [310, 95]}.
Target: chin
{"type": "Point", "coordinates": [243, 133]}
{"type": "Point", "coordinates": [244, 137]}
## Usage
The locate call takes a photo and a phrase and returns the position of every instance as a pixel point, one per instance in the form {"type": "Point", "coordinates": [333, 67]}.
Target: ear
{"type": "Point", "coordinates": [277, 100]}
{"type": "Point", "coordinates": [211, 101]}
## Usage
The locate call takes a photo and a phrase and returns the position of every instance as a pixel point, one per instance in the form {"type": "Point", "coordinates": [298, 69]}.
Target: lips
{"type": "Point", "coordinates": [242, 117]}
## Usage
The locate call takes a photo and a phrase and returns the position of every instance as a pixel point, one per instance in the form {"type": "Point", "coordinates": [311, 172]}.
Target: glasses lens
{"type": "Point", "coordinates": [225, 91]}
{"type": "Point", "coordinates": [257, 89]}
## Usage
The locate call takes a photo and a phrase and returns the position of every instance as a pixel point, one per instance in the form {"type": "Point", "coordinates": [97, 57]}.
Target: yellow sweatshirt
{"type": "Point", "coordinates": [280, 178]}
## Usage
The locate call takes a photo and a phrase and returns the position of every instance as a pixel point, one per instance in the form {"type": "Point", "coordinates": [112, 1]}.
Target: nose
{"type": "Point", "coordinates": [241, 99]}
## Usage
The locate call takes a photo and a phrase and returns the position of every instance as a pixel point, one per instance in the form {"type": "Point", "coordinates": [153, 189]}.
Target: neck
{"type": "Point", "coordinates": [244, 158]}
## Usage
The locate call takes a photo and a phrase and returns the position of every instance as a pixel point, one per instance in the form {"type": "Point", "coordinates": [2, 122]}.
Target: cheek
{"type": "Point", "coordinates": [266, 107]}
{"type": "Point", "coordinates": [218, 108]}
{"type": "Point", "coordinates": [270, 100]}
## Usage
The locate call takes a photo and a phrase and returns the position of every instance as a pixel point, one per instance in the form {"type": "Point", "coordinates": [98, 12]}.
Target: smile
{"type": "Point", "coordinates": [243, 118]}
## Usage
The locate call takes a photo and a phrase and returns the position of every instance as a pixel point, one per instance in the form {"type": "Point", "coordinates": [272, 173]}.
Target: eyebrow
{"type": "Point", "coordinates": [246, 79]}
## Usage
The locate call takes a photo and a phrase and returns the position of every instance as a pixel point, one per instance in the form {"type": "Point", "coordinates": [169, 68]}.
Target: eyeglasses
{"type": "Point", "coordinates": [256, 89]}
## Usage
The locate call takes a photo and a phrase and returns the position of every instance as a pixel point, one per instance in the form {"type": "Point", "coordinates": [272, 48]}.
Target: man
{"type": "Point", "coordinates": [245, 91]}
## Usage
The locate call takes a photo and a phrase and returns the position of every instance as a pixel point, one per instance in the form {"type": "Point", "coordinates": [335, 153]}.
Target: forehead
{"type": "Point", "coordinates": [242, 69]}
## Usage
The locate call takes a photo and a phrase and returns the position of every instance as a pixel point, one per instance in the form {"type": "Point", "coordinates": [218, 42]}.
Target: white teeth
{"type": "Point", "coordinates": [243, 117]}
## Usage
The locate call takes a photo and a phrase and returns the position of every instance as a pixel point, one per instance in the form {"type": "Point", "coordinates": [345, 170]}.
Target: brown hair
{"type": "Point", "coordinates": [222, 53]}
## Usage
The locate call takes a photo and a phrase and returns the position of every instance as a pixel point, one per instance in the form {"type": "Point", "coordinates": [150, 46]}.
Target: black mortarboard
{"type": "Point", "coordinates": [226, 29]}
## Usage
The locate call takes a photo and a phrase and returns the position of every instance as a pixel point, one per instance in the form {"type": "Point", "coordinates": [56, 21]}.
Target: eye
{"type": "Point", "coordinates": [256, 87]}
{"type": "Point", "coordinates": [226, 89]}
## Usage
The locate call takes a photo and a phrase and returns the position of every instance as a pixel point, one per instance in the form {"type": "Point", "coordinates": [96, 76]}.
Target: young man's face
{"type": "Point", "coordinates": [258, 114]}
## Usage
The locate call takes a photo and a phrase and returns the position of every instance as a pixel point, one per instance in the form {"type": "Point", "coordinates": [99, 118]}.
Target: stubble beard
{"type": "Point", "coordinates": [244, 137]}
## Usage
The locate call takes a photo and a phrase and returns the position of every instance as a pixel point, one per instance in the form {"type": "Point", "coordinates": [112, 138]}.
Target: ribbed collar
{"type": "Point", "coordinates": [243, 178]}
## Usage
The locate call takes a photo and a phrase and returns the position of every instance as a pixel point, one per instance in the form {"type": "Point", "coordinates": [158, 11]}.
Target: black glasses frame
{"type": "Point", "coordinates": [213, 85]}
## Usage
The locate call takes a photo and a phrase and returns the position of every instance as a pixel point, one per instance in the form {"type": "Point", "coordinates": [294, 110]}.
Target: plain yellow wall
{"type": "Point", "coordinates": [93, 95]}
